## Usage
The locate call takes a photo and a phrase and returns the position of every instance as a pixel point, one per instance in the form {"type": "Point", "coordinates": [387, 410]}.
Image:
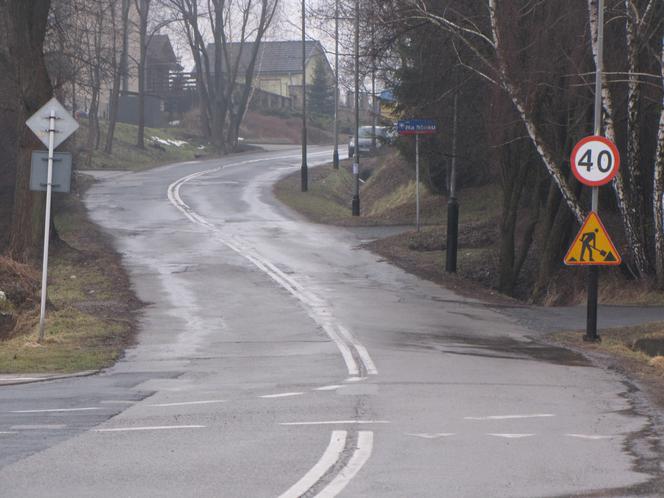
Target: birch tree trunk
{"type": "Point", "coordinates": [658, 189]}
{"type": "Point", "coordinates": [627, 210]}
{"type": "Point", "coordinates": [633, 155]}
{"type": "Point", "coordinates": [515, 95]}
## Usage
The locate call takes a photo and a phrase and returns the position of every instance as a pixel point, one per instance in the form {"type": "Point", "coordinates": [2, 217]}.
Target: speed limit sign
{"type": "Point", "coordinates": [595, 161]}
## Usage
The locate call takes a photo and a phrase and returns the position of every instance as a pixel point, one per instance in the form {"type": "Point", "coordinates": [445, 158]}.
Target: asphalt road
{"type": "Point", "coordinates": [277, 358]}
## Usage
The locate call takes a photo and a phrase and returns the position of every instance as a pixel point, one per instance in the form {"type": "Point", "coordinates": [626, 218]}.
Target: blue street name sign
{"type": "Point", "coordinates": [417, 127]}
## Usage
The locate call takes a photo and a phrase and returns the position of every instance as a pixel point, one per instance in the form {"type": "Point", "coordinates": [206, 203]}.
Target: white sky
{"type": "Point", "coordinates": [286, 26]}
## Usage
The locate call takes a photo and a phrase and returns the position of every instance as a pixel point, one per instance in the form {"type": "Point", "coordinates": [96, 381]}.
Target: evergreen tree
{"type": "Point", "coordinates": [321, 92]}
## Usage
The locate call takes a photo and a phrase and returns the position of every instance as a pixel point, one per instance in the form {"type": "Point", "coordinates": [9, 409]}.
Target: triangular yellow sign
{"type": "Point", "coordinates": [592, 245]}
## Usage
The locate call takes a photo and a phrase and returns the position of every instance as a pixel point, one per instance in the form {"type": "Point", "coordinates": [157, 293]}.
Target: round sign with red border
{"type": "Point", "coordinates": [595, 161]}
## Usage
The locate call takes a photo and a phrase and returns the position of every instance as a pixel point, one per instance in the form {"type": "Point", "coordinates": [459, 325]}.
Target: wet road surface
{"type": "Point", "coordinates": [277, 358]}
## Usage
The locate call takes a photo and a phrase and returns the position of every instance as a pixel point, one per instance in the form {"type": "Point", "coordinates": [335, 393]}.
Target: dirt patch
{"type": "Point", "coordinates": [428, 262]}
{"type": "Point", "coordinates": [281, 127]}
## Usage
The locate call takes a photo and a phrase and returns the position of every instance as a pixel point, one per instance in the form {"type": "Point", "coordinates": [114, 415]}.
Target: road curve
{"type": "Point", "coordinates": [277, 358]}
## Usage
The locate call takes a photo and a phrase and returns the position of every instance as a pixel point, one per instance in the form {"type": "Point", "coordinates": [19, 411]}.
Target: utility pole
{"type": "Point", "coordinates": [452, 203]}
{"type": "Point", "coordinates": [356, 151]}
{"type": "Point", "coordinates": [373, 80]}
{"type": "Point", "coordinates": [335, 155]}
{"type": "Point", "coordinates": [304, 170]}
{"type": "Point", "coordinates": [593, 271]}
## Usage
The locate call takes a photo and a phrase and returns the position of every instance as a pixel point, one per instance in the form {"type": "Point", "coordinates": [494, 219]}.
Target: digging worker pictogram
{"type": "Point", "coordinates": [589, 244]}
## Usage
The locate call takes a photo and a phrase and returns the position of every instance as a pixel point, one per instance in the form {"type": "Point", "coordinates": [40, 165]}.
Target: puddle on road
{"type": "Point", "coordinates": [494, 347]}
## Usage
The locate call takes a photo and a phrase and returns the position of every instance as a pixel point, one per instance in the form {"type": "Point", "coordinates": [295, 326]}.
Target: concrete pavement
{"type": "Point", "coordinates": [278, 359]}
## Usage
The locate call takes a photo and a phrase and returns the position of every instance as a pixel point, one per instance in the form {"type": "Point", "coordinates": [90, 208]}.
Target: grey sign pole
{"type": "Point", "coordinates": [593, 272]}
{"type": "Point", "coordinates": [304, 169]}
{"type": "Point", "coordinates": [47, 223]}
{"type": "Point", "coordinates": [417, 181]}
{"type": "Point", "coordinates": [335, 154]}
{"type": "Point", "coordinates": [355, 205]}
{"type": "Point", "coordinates": [67, 125]}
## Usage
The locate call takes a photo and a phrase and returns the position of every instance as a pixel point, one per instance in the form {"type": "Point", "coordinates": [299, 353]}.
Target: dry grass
{"type": "Point", "coordinates": [126, 156]}
{"type": "Point", "coordinates": [89, 318]}
{"type": "Point", "coordinates": [622, 343]}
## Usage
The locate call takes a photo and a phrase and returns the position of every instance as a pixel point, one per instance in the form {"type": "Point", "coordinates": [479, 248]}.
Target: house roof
{"type": "Point", "coordinates": [160, 51]}
{"type": "Point", "coordinates": [274, 56]}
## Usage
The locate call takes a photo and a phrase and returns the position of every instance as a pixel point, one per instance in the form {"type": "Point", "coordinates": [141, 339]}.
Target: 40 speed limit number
{"type": "Point", "coordinates": [595, 161]}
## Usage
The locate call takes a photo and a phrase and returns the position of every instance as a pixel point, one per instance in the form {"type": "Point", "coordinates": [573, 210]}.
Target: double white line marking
{"type": "Point", "coordinates": [361, 454]}
{"type": "Point", "coordinates": [355, 355]}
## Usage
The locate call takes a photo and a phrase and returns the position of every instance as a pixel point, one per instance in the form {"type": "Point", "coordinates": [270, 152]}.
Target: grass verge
{"type": "Point", "coordinates": [90, 308]}
{"type": "Point", "coordinates": [388, 198]}
{"type": "Point", "coordinates": [162, 146]}
{"type": "Point", "coordinates": [641, 344]}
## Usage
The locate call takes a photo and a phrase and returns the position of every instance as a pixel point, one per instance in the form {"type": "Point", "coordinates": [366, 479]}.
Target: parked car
{"type": "Point", "coordinates": [366, 139]}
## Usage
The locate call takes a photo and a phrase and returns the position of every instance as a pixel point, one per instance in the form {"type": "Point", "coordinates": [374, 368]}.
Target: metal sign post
{"type": "Point", "coordinates": [52, 136]}
{"type": "Point", "coordinates": [417, 182]}
{"type": "Point", "coordinates": [593, 273]}
{"type": "Point", "coordinates": [417, 127]}
{"type": "Point", "coordinates": [47, 222]}
{"type": "Point", "coordinates": [355, 203]}
{"type": "Point", "coordinates": [304, 169]}
{"type": "Point", "coordinates": [452, 203]}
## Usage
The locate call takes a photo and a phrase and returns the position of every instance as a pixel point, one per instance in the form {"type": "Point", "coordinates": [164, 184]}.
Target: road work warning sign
{"type": "Point", "coordinates": [592, 245]}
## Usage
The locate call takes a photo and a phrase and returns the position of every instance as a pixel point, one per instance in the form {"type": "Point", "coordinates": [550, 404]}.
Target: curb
{"type": "Point", "coordinates": [13, 380]}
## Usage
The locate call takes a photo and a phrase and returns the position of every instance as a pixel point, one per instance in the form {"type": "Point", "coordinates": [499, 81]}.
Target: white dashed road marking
{"type": "Point", "coordinates": [328, 388]}
{"type": "Point", "coordinates": [511, 436]}
{"type": "Point", "coordinates": [37, 427]}
{"type": "Point", "coordinates": [57, 410]}
{"type": "Point", "coordinates": [355, 379]}
{"type": "Point", "coordinates": [11, 379]}
{"type": "Point", "coordinates": [281, 395]}
{"type": "Point", "coordinates": [508, 417]}
{"type": "Point", "coordinates": [151, 428]}
{"type": "Point", "coordinates": [338, 422]}
{"type": "Point", "coordinates": [431, 435]}
{"type": "Point", "coordinates": [589, 436]}
{"type": "Point", "coordinates": [185, 403]}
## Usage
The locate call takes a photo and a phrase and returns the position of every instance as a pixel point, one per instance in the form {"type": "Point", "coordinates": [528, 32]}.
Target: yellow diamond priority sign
{"type": "Point", "coordinates": [592, 245]}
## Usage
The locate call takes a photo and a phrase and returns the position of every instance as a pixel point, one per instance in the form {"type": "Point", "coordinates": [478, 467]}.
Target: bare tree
{"type": "Point", "coordinates": [658, 186]}
{"type": "Point", "coordinates": [487, 29]}
{"type": "Point", "coordinates": [225, 67]}
{"type": "Point", "coordinates": [22, 63]}
{"type": "Point", "coordinates": [143, 9]}
{"type": "Point", "coordinates": [119, 66]}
